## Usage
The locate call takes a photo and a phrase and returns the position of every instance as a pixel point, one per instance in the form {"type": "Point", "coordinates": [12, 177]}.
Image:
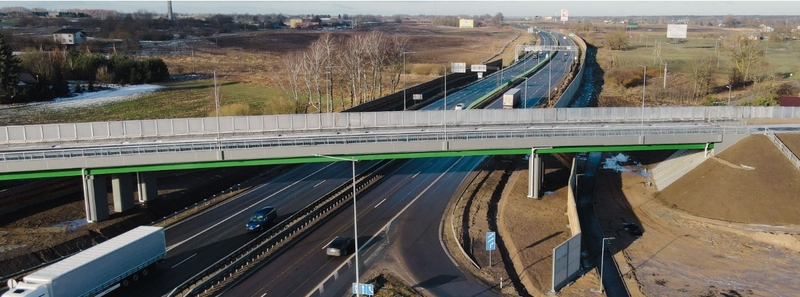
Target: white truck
{"type": "Point", "coordinates": [97, 270]}
{"type": "Point", "coordinates": [511, 98]}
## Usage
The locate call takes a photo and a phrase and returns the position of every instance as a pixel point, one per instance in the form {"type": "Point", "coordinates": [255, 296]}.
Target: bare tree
{"type": "Point", "coordinates": [702, 71]}
{"type": "Point", "coordinates": [290, 83]}
{"type": "Point", "coordinates": [746, 53]}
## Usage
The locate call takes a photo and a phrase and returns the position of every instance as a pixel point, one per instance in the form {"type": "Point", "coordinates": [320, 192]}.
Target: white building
{"type": "Point", "coordinates": [69, 36]}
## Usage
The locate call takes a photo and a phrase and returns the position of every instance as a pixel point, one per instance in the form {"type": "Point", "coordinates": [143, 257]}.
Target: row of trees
{"type": "Point", "coordinates": [361, 64]}
{"type": "Point", "coordinates": [53, 69]}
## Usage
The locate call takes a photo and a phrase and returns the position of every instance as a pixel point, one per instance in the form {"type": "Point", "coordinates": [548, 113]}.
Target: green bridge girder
{"type": "Point", "coordinates": [366, 157]}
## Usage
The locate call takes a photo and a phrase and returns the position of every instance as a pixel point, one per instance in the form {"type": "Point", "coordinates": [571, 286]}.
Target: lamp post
{"type": "Point", "coordinates": [665, 75]}
{"type": "Point", "coordinates": [404, 78]}
{"type": "Point", "coordinates": [602, 256]}
{"type": "Point", "coordinates": [644, 88]}
{"type": "Point", "coordinates": [729, 94]}
{"type": "Point", "coordinates": [355, 212]}
{"type": "Point", "coordinates": [526, 93]}
{"type": "Point", "coordinates": [549, 78]}
{"type": "Point", "coordinates": [444, 110]}
{"type": "Point", "coordinates": [216, 102]}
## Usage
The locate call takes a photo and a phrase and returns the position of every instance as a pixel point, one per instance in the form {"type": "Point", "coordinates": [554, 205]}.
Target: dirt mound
{"type": "Point", "coordinates": [761, 188]}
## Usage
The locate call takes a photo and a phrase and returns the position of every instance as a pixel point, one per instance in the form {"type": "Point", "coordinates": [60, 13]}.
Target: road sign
{"type": "Point", "coordinates": [477, 68]}
{"type": "Point", "coordinates": [458, 67]}
{"type": "Point", "coordinates": [417, 96]}
{"type": "Point", "coordinates": [363, 289]}
{"type": "Point", "coordinates": [490, 243]}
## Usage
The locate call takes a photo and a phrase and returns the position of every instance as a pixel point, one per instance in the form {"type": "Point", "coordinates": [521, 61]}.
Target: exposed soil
{"type": "Point", "coordinates": [742, 230]}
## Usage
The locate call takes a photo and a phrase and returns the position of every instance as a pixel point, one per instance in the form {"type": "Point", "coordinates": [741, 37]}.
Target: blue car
{"type": "Point", "coordinates": [266, 216]}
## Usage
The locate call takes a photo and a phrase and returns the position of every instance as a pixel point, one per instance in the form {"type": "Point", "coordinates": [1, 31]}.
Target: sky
{"type": "Point", "coordinates": [516, 8]}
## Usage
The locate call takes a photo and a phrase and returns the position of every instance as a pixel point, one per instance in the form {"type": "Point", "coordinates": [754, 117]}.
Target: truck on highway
{"type": "Point", "coordinates": [98, 270]}
{"type": "Point", "coordinates": [511, 98]}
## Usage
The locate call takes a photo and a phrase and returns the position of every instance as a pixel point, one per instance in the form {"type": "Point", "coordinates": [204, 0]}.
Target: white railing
{"type": "Point", "coordinates": [783, 148]}
{"type": "Point", "coordinates": [284, 124]}
{"type": "Point", "coordinates": [355, 139]}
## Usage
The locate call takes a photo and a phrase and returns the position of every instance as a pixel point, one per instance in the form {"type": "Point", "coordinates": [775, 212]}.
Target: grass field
{"type": "Point", "coordinates": [248, 72]}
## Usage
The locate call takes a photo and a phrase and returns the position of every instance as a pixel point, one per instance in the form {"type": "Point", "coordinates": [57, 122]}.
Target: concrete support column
{"type": "Point", "coordinates": [534, 174]}
{"type": "Point", "coordinates": [122, 187]}
{"type": "Point", "coordinates": [148, 189]}
{"type": "Point", "coordinates": [95, 197]}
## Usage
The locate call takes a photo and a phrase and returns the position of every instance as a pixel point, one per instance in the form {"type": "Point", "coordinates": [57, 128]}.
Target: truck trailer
{"type": "Point", "coordinates": [98, 270]}
{"type": "Point", "coordinates": [511, 98]}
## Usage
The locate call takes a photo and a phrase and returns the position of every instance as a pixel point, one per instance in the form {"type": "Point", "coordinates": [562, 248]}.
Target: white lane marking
{"type": "Point", "coordinates": [184, 260]}
{"type": "Point", "coordinates": [347, 261]}
{"type": "Point", "coordinates": [415, 175]}
{"type": "Point", "coordinates": [319, 183]}
{"type": "Point", "coordinates": [244, 209]}
{"type": "Point", "coordinates": [379, 203]}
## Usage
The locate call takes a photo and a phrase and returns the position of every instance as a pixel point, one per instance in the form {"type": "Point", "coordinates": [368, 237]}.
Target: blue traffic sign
{"type": "Point", "coordinates": [364, 289]}
{"type": "Point", "coordinates": [490, 243]}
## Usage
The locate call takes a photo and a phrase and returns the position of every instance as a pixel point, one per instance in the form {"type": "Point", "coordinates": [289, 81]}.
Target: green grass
{"type": "Point", "coordinates": [176, 100]}
{"type": "Point", "coordinates": [784, 56]}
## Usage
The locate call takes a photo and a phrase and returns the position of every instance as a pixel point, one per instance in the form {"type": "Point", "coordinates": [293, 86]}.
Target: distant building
{"type": "Point", "coordinates": [69, 36]}
{"type": "Point", "coordinates": [294, 22]}
{"type": "Point", "coordinates": [466, 23]}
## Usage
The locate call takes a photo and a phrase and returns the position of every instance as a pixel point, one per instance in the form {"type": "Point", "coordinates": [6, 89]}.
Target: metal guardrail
{"type": "Point", "coordinates": [276, 237]}
{"type": "Point", "coordinates": [342, 122]}
{"type": "Point", "coordinates": [783, 148]}
{"type": "Point", "coordinates": [336, 140]}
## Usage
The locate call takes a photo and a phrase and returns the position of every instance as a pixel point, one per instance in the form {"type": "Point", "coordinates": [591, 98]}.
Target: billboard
{"type": "Point", "coordinates": [456, 67]}
{"type": "Point", "coordinates": [477, 68]}
{"type": "Point", "coordinates": [566, 262]}
{"type": "Point", "coordinates": [676, 31]}
{"type": "Point", "coordinates": [564, 15]}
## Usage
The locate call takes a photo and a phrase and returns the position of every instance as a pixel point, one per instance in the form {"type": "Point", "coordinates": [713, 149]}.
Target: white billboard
{"type": "Point", "coordinates": [457, 67]}
{"type": "Point", "coordinates": [564, 15]}
{"type": "Point", "coordinates": [477, 68]}
{"type": "Point", "coordinates": [676, 31]}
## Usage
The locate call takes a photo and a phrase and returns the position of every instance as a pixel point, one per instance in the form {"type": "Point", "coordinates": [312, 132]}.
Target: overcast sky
{"type": "Point", "coordinates": [438, 7]}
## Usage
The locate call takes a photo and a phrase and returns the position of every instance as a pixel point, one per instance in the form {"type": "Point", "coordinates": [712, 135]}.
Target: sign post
{"type": "Point", "coordinates": [490, 245]}
{"type": "Point", "coordinates": [363, 289]}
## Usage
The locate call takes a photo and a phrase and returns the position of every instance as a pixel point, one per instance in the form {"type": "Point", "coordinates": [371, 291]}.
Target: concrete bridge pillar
{"type": "Point", "coordinates": [148, 189]}
{"type": "Point", "coordinates": [535, 174]}
{"type": "Point", "coordinates": [95, 198]}
{"type": "Point", "coordinates": [122, 187]}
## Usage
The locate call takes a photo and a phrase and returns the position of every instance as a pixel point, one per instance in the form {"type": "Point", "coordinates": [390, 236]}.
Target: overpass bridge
{"type": "Point", "coordinates": [123, 149]}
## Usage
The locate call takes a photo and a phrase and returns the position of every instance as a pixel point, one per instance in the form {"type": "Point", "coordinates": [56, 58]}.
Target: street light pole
{"type": "Point", "coordinates": [602, 257]}
{"type": "Point", "coordinates": [526, 93]}
{"type": "Point", "coordinates": [729, 95]}
{"type": "Point", "coordinates": [665, 75]}
{"type": "Point", "coordinates": [404, 78]}
{"type": "Point", "coordinates": [444, 110]}
{"type": "Point", "coordinates": [355, 214]}
{"type": "Point", "coordinates": [549, 78]}
{"type": "Point", "coordinates": [644, 88]}
{"type": "Point", "coordinates": [216, 102]}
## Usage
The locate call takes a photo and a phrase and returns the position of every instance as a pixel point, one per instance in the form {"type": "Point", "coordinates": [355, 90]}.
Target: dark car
{"type": "Point", "coordinates": [266, 216]}
{"type": "Point", "coordinates": [340, 246]}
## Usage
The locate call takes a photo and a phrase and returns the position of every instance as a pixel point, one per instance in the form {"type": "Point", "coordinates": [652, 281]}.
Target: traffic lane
{"type": "Point", "coordinates": [206, 244]}
{"type": "Point", "coordinates": [376, 251]}
{"type": "Point", "coordinates": [187, 228]}
{"type": "Point", "coordinates": [304, 265]}
{"type": "Point", "coordinates": [418, 238]}
{"type": "Point", "coordinates": [288, 193]}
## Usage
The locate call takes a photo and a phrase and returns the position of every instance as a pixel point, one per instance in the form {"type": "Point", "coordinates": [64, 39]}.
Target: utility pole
{"type": "Point", "coordinates": [665, 75]}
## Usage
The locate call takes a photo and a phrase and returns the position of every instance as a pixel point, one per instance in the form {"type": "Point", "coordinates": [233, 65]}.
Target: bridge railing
{"type": "Point", "coordinates": [323, 140]}
{"type": "Point", "coordinates": [285, 124]}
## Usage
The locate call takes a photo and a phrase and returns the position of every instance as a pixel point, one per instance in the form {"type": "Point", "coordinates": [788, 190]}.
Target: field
{"type": "Point", "coordinates": [249, 68]}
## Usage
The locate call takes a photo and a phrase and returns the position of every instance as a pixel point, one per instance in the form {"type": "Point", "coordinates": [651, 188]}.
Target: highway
{"type": "Point", "coordinates": [304, 268]}
{"type": "Point", "coordinates": [201, 240]}
{"type": "Point", "coordinates": [197, 242]}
